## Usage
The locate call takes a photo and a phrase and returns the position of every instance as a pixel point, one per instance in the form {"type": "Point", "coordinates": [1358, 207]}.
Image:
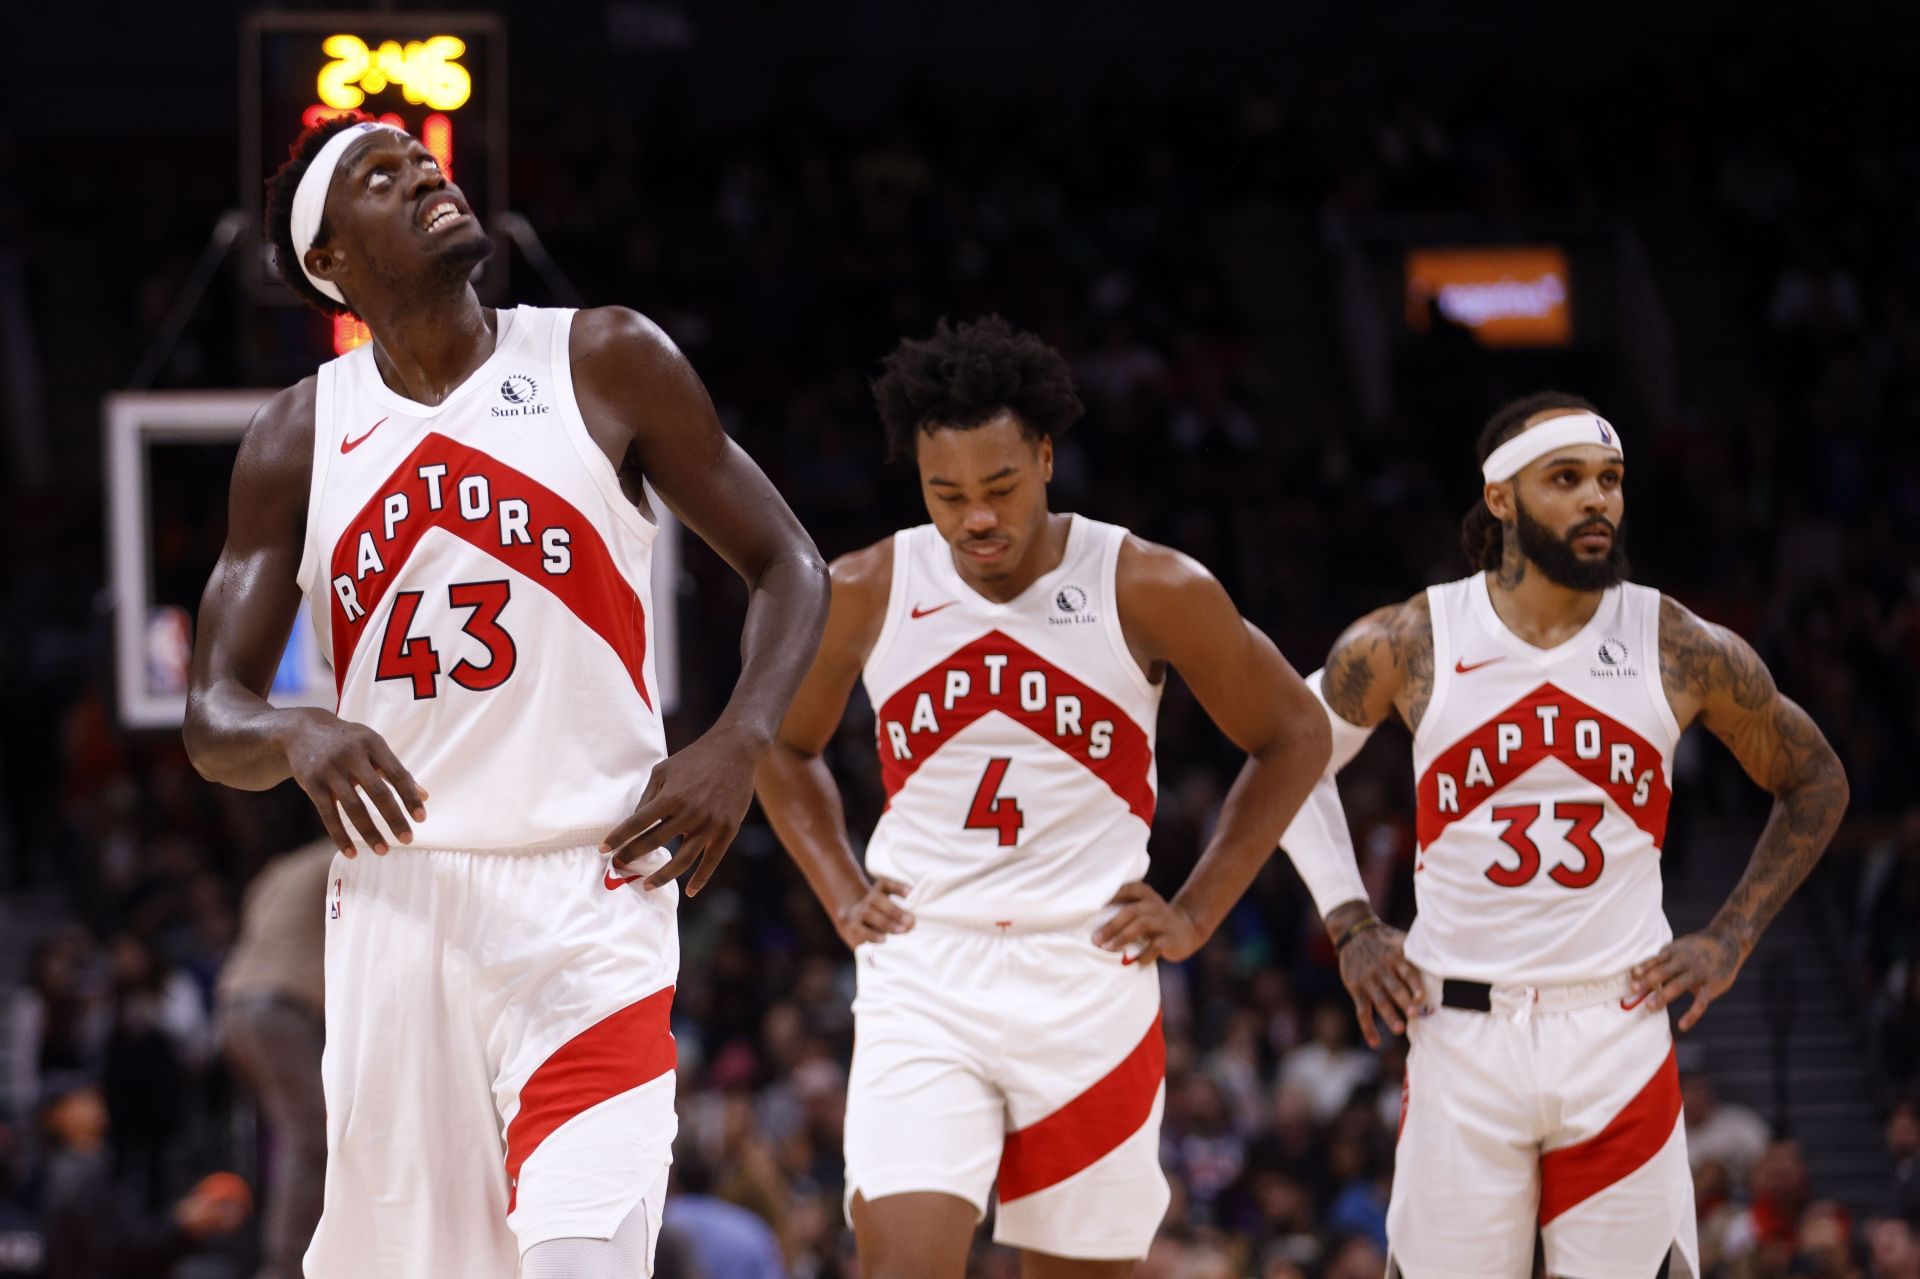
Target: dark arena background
{"type": "Point", "coordinates": [1295, 254]}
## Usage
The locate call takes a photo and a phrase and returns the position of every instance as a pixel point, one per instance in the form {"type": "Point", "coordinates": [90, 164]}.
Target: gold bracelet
{"type": "Point", "coordinates": [1355, 929]}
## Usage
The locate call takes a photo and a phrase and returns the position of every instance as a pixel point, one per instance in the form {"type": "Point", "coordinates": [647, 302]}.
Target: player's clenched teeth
{"type": "Point", "coordinates": [437, 216]}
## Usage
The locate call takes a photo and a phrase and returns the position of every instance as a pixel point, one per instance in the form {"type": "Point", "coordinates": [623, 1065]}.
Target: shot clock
{"type": "Point", "coordinates": [440, 76]}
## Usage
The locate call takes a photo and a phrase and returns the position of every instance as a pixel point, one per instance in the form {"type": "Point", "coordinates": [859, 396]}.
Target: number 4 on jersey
{"type": "Point", "coordinates": [993, 811]}
{"type": "Point", "coordinates": [413, 657]}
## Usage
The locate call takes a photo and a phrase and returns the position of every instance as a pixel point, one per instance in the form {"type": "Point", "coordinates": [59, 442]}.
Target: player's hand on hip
{"type": "Point", "coordinates": [874, 914]}
{"type": "Point", "coordinates": [699, 796]}
{"type": "Point", "coordinates": [1383, 981]}
{"type": "Point", "coordinates": [1160, 929]}
{"type": "Point", "coordinates": [1703, 964]}
{"type": "Point", "coordinates": [342, 765]}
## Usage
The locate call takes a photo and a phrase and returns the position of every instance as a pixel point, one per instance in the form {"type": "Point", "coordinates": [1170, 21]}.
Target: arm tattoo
{"type": "Point", "coordinates": [1349, 677]}
{"type": "Point", "coordinates": [1717, 672]}
{"type": "Point", "coordinates": [1698, 659]}
{"type": "Point", "coordinates": [1398, 638]}
{"type": "Point", "coordinates": [1413, 649]}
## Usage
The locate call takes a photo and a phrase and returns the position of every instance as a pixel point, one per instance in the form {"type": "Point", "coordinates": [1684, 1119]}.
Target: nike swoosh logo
{"type": "Point", "coordinates": [615, 882]}
{"type": "Point", "coordinates": [348, 446]}
{"type": "Point", "coordinates": [929, 612]}
{"type": "Point", "coordinates": [1460, 666]}
{"type": "Point", "coordinates": [1639, 999]}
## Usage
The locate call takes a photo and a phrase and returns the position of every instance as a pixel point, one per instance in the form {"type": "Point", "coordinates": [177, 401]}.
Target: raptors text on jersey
{"type": "Point", "coordinates": [1543, 779]}
{"type": "Point", "coordinates": [481, 585]}
{"type": "Point", "coordinates": [1016, 740]}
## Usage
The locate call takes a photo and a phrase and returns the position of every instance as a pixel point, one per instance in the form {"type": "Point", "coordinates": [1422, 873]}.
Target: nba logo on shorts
{"type": "Point", "coordinates": [333, 907]}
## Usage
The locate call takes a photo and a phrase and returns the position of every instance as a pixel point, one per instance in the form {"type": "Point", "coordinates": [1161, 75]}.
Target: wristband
{"type": "Point", "coordinates": [1355, 929]}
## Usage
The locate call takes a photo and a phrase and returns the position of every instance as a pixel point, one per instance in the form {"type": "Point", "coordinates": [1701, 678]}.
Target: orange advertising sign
{"type": "Point", "coordinates": [1508, 296]}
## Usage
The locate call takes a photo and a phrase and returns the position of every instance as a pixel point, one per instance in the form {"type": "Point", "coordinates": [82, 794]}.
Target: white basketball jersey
{"type": "Point", "coordinates": [1543, 782]}
{"type": "Point", "coordinates": [1015, 740]}
{"type": "Point", "coordinates": [481, 587]}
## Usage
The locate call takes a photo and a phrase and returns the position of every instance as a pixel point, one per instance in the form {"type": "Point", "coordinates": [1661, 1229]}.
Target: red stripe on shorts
{"type": "Point", "coordinates": [1088, 1128]}
{"type": "Point", "coordinates": [1573, 1174]}
{"type": "Point", "coordinates": [615, 1054]}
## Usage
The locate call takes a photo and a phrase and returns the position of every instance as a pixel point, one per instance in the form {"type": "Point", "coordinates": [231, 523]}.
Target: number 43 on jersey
{"type": "Point", "coordinates": [404, 655]}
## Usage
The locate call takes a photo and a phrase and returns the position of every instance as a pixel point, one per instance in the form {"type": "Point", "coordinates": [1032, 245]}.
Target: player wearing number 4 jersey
{"type": "Point", "coordinates": [462, 504]}
{"type": "Point", "coordinates": [1007, 1020]}
{"type": "Point", "coordinates": [1546, 696]}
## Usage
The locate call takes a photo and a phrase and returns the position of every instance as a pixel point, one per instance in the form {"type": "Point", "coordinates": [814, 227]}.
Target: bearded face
{"type": "Point", "coordinates": [1562, 558]}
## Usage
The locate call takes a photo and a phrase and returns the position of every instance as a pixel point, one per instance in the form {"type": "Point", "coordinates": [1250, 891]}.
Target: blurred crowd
{"type": "Point", "coordinates": [786, 249]}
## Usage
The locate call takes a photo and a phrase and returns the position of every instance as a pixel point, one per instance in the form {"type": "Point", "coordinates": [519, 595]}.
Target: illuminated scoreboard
{"type": "Point", "coordinates": [440, 76]}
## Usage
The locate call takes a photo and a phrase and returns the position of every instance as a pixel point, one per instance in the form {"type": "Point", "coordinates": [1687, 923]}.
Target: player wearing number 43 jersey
{"type": "Point", "coordinates": [468, 504]}
{"type": "Point", "coordinates": [1007, 1024]}
{"type": "Point", "coordinates": [1546, 696]}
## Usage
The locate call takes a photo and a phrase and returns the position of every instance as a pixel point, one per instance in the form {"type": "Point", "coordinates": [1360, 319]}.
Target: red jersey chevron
{"type": "Point", "coordinates": [1548, 723]}
{"type": "Point", "coordinates": [1125, 767]}
{"type": "Point", "coordinates": [591, 587]}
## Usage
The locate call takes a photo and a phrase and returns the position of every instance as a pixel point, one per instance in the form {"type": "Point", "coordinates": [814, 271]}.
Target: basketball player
{"type": "Point", "coordinates": [1546, 695]}
{"type": "Point", "coordinates": [1007, 1021]}
{"type": "Point", "coordinates": [461, 505]}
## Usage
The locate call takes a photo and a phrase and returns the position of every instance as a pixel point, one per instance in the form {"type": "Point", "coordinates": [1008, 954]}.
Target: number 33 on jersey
{"type": "Point", "coordinates": [1543, 783]}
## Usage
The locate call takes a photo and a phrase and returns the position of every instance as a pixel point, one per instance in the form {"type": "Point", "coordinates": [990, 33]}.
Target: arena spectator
{"type": "Point", "coordinates": [96, 1227]}
{"type": "Point", "coordinates": [723, 1240]}
{"type": "Point", "coordinates": [1767, 1234]}
{"type": "Point", "coordinates": [1327, 1068]}
{"type": "Point", "coordinates": [1903, 1148]}
{"type": "Point", "coordinates": [52, 1025]}
{"type": "Point", "coordinates": [1826, 1243]}
{"type": "Point", "coordinates": [1893, 1251]}
{"type": "Point", "coordinates": [1725, 1133]}
{"type": "Point", "coordinates": [272, 999]}
{"type": "Point", "coordinates": [155, 1049]}
{"type": "Point", "coordinates": [23, 1239]}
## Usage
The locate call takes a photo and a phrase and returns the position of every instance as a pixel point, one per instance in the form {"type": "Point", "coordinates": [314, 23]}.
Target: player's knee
{"type": "Point", "coordinates": [1040, 1265]}
{"type": "Point", "coordinates": [903, 1266]}
{"type": "Point", "coordinates": [900, 1257]}
{"type": "Point", "coordinates": [913, 1236]}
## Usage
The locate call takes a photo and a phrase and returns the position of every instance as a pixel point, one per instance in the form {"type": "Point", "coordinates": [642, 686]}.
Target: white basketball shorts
{"type": "Point", "coordinates": [1030, 1065]}
{"type": "Point", "coordinates": [1558, 1111]}
{"type": "Point", "coordinates": [498, 1068]}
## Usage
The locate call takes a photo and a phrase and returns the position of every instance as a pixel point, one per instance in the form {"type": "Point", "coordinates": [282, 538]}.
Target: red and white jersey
{"type": "Point", "coordinates": [1543, 782]}
{"type": "Point", "coordinates": [481, 586]}
{"type": "Point", "coordinates": [1015, 740]}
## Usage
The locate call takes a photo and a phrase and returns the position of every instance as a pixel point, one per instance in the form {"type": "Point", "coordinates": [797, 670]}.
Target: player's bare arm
{"type": "Point", "coordinates": [1175, 613]}
{"type": "Point", "coordinates": [795, 787]}
{"type": "Point", "coordinates": [1380, 666]}
{"type": "Point", "coordinates": [638, 393]}
{"type": "Point", "coordinates": [233, 735]}
{"type": "Point", "coordinates": [1383, 665]}
{"type": "Point", "coordinates": [1713, 676]}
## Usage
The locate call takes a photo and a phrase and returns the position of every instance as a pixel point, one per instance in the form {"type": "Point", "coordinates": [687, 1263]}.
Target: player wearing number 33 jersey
{"type": "Point", "coordinates": [1007, 1029]}
{"type": "Point", "coordinates": [1546, 696]}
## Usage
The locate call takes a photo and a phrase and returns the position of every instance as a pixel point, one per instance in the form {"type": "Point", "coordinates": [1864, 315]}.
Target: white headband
{"type": "Point", "coordinates": [1536, 442]}
{"type": "Point", "coordinates": [310, 199]}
